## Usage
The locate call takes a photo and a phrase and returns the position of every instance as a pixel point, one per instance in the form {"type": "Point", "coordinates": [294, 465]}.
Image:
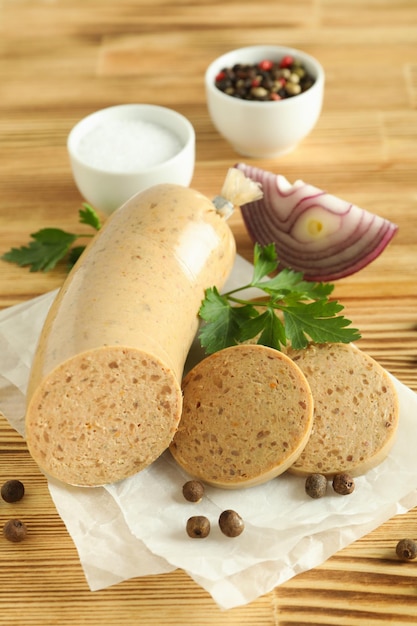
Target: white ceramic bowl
{"type": "Point", "coordinates": [121, 150]}
{"type": "Point", "coordinates": [270, 128]}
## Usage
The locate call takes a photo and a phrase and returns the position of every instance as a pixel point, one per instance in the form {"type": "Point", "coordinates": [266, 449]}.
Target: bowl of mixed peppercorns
{"type": "Point", "coordinates": [264, 99]}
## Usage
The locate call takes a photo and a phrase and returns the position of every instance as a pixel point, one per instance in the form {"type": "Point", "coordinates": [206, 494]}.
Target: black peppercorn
{"type": "Point", "coordinates": [343, 484]}
{"type": "Point", "coordinates": [193, 490]}
{"type": "Point", "coordinates": [406, 549]}
{"type": "Point", "coordinates": [14, 530]}
{"type": "Point", "coordinates": [12, 491]}
{"type": "Point", "coordinates": [316, 485]}
{"type": "Point", "coordinates": [198, 527]}
{"type": "Point", "coordinates": [231, 524]}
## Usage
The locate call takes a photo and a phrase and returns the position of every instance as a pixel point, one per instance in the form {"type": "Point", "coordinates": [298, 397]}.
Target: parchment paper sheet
{"type": "Point", "coordinates": [137, 526]}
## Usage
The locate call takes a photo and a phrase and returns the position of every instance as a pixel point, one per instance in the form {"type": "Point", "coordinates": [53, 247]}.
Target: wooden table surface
{"type": "Point", "coordinates": [62, 59]}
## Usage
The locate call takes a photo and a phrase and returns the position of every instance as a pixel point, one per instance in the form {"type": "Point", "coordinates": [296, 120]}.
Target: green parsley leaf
{"type": "Point", "coordinates": [223, 329]}
{"type": "Point", "coordinates": [290, 283]}
{"type": "Point", "coordinates": [268, 326]}
{"type": "Point", "coordinates": [50, 245]}
{"type": "Point", "coordinates": [294, 311]}
{"type": "Point", "coordinates": [317, 321]}
{"type": "Point", "coordinates": [265, 261]}
{"type": "Point", "coordinates": [88, 216]}
{"type": "Point", "coordinates": [74, 254]}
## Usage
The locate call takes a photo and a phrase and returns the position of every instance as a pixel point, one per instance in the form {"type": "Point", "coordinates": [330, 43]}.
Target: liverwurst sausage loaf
{"type": "Point", "coordinates": [104, 397]}
{"type": "Point", "coordinates": [247, 415]}
{"type": "Point", "coordinates": [356, 410]}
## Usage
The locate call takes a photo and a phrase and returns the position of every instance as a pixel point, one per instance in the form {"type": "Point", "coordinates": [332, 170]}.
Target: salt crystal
{"type": "Point", "coordinates": [128, 145]}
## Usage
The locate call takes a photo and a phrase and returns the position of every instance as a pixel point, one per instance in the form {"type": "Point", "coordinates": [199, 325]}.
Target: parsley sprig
{"type": "Point", "coordinates": [293, 311]}
{"type": "Point", "coordinates": [50, 245]}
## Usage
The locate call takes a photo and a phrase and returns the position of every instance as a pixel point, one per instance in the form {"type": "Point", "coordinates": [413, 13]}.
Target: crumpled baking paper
{"type": "Point", "coordinates": [137, 527]}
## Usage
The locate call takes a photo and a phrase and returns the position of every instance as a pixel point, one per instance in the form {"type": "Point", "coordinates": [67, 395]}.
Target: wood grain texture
{"type": "Point", "coordinates": [62, 59]}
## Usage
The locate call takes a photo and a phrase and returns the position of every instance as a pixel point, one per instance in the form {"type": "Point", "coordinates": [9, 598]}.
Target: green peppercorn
{"type": "Point", "coordinates": [231, 524]}
{"type": "Point", "coordinates": [14, 530]}
{"type": "Point", "coordinates": [198, 527]}
{"type": "Point", "coordinates": [316, 485]}
{"type": "Point", "coordinates": [292, 89]}
{"type": "Point", "coordinates": [193, 490]}
{"type": "Point", "coordinates": [259, 92]}
{"type": "Point", "coordinates": [299, 71]}
{"type": "Point", "coordinates": [406, 549]}
{"type": "Point", "coordinates": [12, 491]}
{"type": "Point", "coordinates": [294, 78]}
{"type": "Point", "coordinates": [343, 484]}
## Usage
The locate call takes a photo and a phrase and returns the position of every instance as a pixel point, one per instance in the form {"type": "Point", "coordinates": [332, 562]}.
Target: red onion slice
{"type": "Point", "coordinates": [315, 233]}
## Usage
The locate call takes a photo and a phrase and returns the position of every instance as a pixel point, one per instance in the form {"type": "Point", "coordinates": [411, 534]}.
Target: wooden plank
{"type": "Point", "coordinates": [61, 60]}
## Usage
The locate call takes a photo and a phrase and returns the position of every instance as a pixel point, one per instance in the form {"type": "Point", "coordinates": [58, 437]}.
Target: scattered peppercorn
{"type": "Point", "coordinates": [265, 81]}
{"type": "Point", "coordinates": [406, 549]}
{"type": "Point", "coordinates": [231, 524]}
{"type": "Point", "coordinates": [316, 485]}
{"type": "Point", "coordinates": [12, 491]}
{"type": "Point", "coordinates": [198, 527]}
{"type": "Point", "coordinates": [343, 484]}
{"type": "Point", "coordinates": [193, 490]}
{"type": "Point", "coordinates": [14, 530]}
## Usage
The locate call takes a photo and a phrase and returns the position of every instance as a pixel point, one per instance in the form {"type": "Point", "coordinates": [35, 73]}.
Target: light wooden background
{"type": "Point", "coordinates": [62, 59]}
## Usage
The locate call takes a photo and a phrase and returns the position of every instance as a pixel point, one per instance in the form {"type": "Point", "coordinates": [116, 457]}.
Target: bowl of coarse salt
{"type": "Point", "coordinates": [121, 150]}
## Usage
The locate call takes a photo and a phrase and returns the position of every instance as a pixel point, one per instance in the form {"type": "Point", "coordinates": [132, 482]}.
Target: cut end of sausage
{"type": "Point", "coordinates": [102, 416]}
{"type": "Point", "coordinates": [247, 416]}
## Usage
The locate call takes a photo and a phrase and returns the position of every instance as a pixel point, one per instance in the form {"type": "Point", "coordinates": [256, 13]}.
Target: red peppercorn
{"type": "Point", "coordinates": [265, 65]}
{"type": "Point", "coordinates": [220, 76]}
{"type": "Point", "coordinates": [286, 61]}
{"type": "Point", "coordinates": [255, 82]}
{"type": "Point", "coordinates": [275, 96]}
